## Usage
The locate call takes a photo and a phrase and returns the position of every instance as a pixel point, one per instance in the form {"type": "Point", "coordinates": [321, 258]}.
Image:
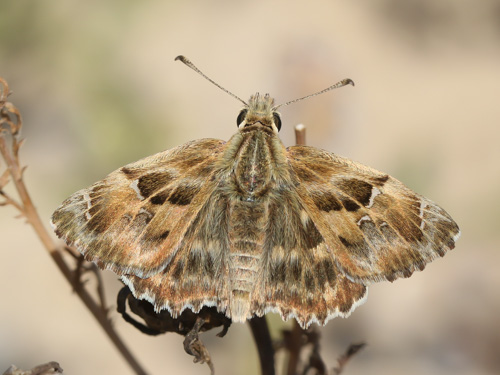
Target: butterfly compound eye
{"type": "Point", "coordinates": [241, 116]}
{"type": "Point", "coordinates": [277, 120]}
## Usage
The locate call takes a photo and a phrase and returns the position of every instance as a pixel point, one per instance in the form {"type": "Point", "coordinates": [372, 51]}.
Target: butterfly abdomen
{"type": "Point", "coordinates": [246, 237]}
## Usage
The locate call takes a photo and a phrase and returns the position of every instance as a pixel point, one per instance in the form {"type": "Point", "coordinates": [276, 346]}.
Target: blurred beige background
{"type": "Point", "coordinates": [98, 88]}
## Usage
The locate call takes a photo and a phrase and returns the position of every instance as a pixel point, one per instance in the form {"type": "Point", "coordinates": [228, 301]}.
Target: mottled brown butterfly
{"type": "Point", "coordinates": [251, 227]}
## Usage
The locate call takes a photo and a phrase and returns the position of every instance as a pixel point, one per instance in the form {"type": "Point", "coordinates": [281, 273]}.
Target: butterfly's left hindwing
{"type": "Point", "coordinates": [374, 226]}
{"type": "Point", "coordinates": [132, 221]}
{"type": "Point", "coordinates": [197, 274]}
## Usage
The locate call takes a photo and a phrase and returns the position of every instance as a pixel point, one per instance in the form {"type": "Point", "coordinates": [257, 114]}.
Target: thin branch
{"type": "Point", "coordinates": [293, 343]}
{"type": "Point", "coordinates": [300, 134]}
{"type": "Point", "coordinates": [344, 358]}
{"type": "Point", "coordinates": [10, 125]}
{"type": "Point", "coordinates": [260, 332]}
{"type": "Point", "coordinates": [45, 369]}
{"type": "Point", "coordinates": [8, 200]}
{"type": "Point", "coordinates": [195, 347]}
{"type": "Point", "coordinates": [315, 360]}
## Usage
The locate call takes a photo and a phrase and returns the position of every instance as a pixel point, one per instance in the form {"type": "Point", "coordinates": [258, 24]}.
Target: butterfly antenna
{"type": "Point", "coordinates": [188, 62]}
{"type": "Point", "coordinates": [342, 83]}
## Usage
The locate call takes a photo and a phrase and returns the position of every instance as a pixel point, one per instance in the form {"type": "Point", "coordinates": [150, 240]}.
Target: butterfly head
{"type": "Point", "coordinates": [260, 110]}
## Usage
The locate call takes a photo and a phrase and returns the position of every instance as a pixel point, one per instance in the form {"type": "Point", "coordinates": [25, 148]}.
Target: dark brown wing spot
{"type": "Point", "coordinates": [305, 174]}
{"type": "Point", "coordinates": [127, 171]}
{"type": "Point", "coordinates": [159, 198]}
{"type": "Point", "coordinates": [184, 194]}
{"type": "Point", "coordinates": [359, 248]}
{"type": "Point", "coordinates": [178, 270]}
{"type": "Point", "coordinates": [349, 204]}
{"type": "Point", "coordinates": [295, 272]}
{"type": "Point", "coordinates": [360, 190]}
{"type": "Point", "coordinates": [195, 261]}
{"type": "Point", "coordinates": [132, 173]}
{"type": "Point", "coordinates": [380, 181]}
{"type": "Point", "coordinates": [164, 234]}
{"type": "Point", "coordinates": [97, 188]}
{"type": "Point", "coordinates": [312, 236]}
{"type": "Point", "coordinates": [344, 242]}
{"type": "Point", "coordinates": [209, 266]}
{"type": "Point", "coordinates": [310, 281]}
{"type": "Point", "coordinates": [278, 272]}
{"type": "Point", "coordinates": [326, 201]}
{"type": "Point", "coordinates": [320, 273]}
{"type": "Point", "coordinates": [329, 269]}
{"type": "Point", "coordinates": [153, 182]}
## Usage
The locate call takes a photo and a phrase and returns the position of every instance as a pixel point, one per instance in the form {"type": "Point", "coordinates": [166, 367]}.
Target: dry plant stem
{"type": "Point", "coordinates": [260, 332]}
{"type": "Point", "coordinates": [27, 209]}
{"type": "Point", "coordinates": [45, 369]}
{"type": "Point", "coordinates": [300, 134]}
{"type": "Point", "coordinates": [195, 347]}
{"type": "Point", "coordinates": [294, 346]}
{"type": "Point", "coordinates": [342, 361]}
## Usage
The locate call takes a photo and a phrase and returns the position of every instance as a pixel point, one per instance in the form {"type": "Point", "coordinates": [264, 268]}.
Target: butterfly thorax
{"type": "Point", "coordinates": [257, 160]}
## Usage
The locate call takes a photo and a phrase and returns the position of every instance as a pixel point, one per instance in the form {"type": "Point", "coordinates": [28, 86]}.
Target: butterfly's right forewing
{"type": "Point", "coordinates": [132, 221]}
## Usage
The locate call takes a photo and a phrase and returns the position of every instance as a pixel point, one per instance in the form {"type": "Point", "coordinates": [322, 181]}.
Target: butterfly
{"type": "Point", "coordinates": [251, 226]}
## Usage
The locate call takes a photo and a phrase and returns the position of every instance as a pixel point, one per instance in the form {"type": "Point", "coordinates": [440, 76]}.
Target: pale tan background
{"type": "Point", "coordinates": [98, 88]}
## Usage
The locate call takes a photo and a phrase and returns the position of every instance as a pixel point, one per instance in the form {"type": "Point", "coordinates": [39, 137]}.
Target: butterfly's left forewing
{"type": "Point", "coordinates": [375, 227]}
{"type": "Point", "coordinates": [132, 221]}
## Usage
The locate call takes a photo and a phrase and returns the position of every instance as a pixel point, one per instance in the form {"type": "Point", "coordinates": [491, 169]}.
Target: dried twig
{"type": "Point", "coordinates": [293, 342]}
{"type": "Point", "coordinates": [195, 347]}
{"type": "Point", "coordinates": [10, 126]}
{"type": "Point", "coordinates": [260, 332]}
{"type": "Point", "coordinates": [315, 360]}
{"type": "Point", "coordinates": [45, 369]}
{"type": "Point", "coordinates": [344, 358]}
